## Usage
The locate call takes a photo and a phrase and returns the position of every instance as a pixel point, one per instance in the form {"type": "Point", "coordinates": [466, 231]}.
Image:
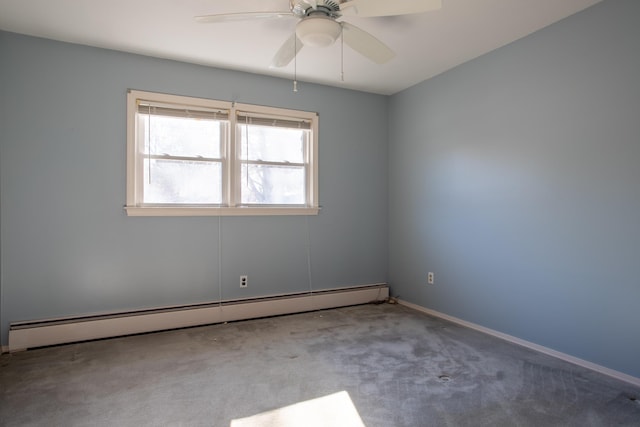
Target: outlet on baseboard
{"type": "Point", "coordinates": [430, 278]}
{"type": "Point", "coordinates": [244, 281]}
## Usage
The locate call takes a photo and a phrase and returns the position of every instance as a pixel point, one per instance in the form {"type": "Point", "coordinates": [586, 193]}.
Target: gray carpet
{"type": "Point", "coordinates": [393, 365]}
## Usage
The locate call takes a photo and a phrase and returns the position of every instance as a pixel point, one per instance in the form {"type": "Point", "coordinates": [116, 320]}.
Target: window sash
{"type": "Point", "coordinates": [293, 193]}
{"type": "Point", "coordinates": [146, 157]}
{"type": "Point", "coordinates": [144, 124]}
{"type": "Point", "coordinates": [208, 172]}
{"type": "Point", "coordinates": [270, 121]}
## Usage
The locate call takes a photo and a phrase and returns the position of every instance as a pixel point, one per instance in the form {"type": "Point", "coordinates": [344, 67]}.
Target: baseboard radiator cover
{"type": "Point", "coordinates": [40, 333]}
{"type": "Point", "coordinates": [533, 346]}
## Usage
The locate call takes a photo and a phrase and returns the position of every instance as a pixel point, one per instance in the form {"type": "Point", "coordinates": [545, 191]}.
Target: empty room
{"type": "Point", "coordinates": [320, 213]}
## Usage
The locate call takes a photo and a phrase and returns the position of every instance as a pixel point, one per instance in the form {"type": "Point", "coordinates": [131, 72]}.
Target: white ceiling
{"type": "Point", "coordinates": [425, 44]}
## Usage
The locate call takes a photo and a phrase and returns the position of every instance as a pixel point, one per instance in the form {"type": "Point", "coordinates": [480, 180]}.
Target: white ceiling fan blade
{"type": "Point", "coordinates": [312, 3]}
{"type": "Point", "coordinates": [243, 16]}
{"type": "Point", "coordinates": [371, 8]}
{"type": "Point", "coordinates": [287, 52]}
{"type": "Point", "coordinates": [366, 44]}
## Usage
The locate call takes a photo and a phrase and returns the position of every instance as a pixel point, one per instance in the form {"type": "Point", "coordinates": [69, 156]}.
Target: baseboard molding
{"type": "Point", "coordinates": [542, 349]}
{"type": "Point", "coordinates": [4, 349]}
{"type": "Point", "coordinates": [40, 333]}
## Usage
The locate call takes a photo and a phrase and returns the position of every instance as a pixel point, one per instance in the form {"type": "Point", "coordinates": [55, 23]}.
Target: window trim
{"type": "Point", "coordinates": [230, 160]}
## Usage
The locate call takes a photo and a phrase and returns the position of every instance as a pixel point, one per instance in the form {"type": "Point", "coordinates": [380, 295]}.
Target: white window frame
{"type": "Point", "coordinates": [231, 162]}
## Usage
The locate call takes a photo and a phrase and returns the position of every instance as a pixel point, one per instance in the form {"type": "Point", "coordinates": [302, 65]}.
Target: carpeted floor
{"type": "Point", "coordinates": [383, 365]}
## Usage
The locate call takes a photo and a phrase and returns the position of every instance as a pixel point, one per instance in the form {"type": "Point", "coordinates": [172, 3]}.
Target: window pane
{"type": "Point", "coordinates": [179, 136]}
{"type": "Point", "coordinates": [273, 185]}
{"type": "Point", "coordinates": [174, 181]}
{"type": "Point", "coordinates": [272, 144]}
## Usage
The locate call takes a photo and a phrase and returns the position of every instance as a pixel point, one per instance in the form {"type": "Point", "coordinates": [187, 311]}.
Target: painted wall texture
{"type": "Point", "coordinates": [67, 246]}
{"type": "Point", "coordinates": [515, 178]}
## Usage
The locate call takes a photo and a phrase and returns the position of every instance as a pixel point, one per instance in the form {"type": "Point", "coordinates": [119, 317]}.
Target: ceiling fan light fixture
{"type": "Point", "coordinates": [318, 31]}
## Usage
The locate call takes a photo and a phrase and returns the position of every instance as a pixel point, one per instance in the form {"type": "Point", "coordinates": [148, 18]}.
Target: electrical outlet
{"type": "Point", "coordinates": [244, 281]}
{"type": "Point", "coordinates": [430, 278]}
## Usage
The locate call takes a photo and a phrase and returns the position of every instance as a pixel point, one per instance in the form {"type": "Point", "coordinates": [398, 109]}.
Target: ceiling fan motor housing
{"type": "Point", "coordinates": [318, 30]}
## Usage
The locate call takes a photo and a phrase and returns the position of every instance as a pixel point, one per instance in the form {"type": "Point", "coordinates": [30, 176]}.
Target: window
{"type": "Point", "coordinates": [194, 156]}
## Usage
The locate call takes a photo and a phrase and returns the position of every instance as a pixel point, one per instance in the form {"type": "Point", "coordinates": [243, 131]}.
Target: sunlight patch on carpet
{"type": "Point", "coordinates": [334, 410]}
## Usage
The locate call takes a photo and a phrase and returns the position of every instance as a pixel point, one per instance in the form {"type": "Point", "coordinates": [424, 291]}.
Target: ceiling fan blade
{"type": "Point", "coordinates": [371, 8]}
{"type": "Point", "coordinates": [287, 52]}
{"type": "Point", "coordinates": [312, 3]}
{"type": "Point", "coordinates": [366, 44]}
{"type": "Point", "coordinates": [244, 16]}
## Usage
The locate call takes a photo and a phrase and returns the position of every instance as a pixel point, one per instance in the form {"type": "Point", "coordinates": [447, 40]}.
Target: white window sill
{"type": "Point", "coordinates": [214, 211]}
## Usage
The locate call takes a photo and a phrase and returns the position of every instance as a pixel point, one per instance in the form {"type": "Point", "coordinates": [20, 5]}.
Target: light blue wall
{"type": "Point", "coordinates": [66, 245]}
{"type": "Point", "coordinates": [516, 179]}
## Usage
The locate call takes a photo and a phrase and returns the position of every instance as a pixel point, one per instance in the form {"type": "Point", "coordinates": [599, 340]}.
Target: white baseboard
{"type": "Point", "coordinates": [542, 349]}
{"type": "Point", "coordinates": [24, 335]}
{"type": "Point", "coordinates": [4, 349]}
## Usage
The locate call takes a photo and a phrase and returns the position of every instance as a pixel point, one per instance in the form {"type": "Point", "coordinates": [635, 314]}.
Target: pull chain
{"type": "Point", "coordinates": [295, 64]}
{"type": "Point", "coordinates": [341, 53]}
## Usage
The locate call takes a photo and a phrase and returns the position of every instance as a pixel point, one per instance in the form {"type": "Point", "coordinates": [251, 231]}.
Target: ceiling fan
{"type": "Point", "coordinates": [318, 24]}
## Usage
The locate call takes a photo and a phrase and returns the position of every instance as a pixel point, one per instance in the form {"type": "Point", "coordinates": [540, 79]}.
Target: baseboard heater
{"type": "Point", "coordinates": [31, 334]}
